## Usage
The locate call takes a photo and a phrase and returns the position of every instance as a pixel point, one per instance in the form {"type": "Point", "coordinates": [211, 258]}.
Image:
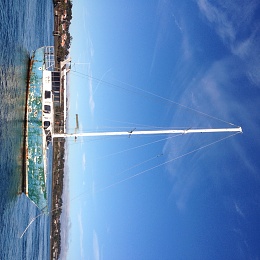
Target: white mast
{"type": "Point", "coordinates": [151, 132]}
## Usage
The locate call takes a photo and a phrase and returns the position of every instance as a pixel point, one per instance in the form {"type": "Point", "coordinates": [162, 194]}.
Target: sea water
{"type": "Point", "coordinates": [25, 25]}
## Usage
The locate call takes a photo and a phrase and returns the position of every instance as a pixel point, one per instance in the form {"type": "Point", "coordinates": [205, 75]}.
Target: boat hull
{"type": "Point", "coordinates": [35, 138]}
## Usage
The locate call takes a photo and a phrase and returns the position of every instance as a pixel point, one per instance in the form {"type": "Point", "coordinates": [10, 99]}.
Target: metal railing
{"type": "Point", "coordinates": [49, 58]}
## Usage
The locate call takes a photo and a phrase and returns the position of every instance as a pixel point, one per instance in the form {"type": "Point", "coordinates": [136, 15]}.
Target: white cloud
{"type": "Point", "coordinates": [233, 22]}
{"type": "Point", "coordinates": [212, 92]}
{"type": "Point", "coordinates": [165, 17]}
{"type": "Point", "coordinates": [219, 18]}
{"type": "Point", "coordinates": [176, 22]}
{"type": "Point", "coordinates": [239, 211]}
{"type": "Point", "coordinates": [96, 250]}
{"type": "Point", "coordinates": [81, 235]}
{"type": "Point", "coordinates": [217, 86]}
{"type": "Point", "coordinates": [91, 94]}
{"type": "Point", "coordinates": [243, 156]}
{"type": "Point", "coordinates": [89, 55]}
{"type": "Point", "coordinates": [84, 161]}
{"type": "Point", "coordinates": [186, 44]}
{"type": "Point", "coordinates": [91, 48]}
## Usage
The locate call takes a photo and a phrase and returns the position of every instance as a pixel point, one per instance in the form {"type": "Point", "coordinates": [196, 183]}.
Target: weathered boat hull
{"type": "Point", "coordinates": [36, 132]}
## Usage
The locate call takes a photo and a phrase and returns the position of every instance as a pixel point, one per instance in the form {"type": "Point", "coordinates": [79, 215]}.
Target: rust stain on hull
{"type": "Point", "coordinates": [25, 148]}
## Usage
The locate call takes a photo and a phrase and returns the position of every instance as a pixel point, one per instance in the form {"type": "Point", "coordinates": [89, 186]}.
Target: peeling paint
{"type": "Point", "coordinates": [35, 173]}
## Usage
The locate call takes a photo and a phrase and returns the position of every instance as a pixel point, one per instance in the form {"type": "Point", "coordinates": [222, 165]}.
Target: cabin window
{"type": "Point", "coordinates": [55, 74]}
{"type": "Point", "coordinates": [57, 98]}
{"type": "Point", "coordinates": [47, 109]}
{"type": "Point", "coordinates": [55, 79]}
{"type": "Point", "coordinates": [55, 84]}
{"type": "Point", "coordinates": [56, 88]}
{"type": "Point", "coordinates": [47, 94]}
{"type": "Point", "coordinates": [46, 124]}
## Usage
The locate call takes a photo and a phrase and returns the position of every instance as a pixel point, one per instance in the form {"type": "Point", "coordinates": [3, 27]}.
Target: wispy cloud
{"type": "Point", "coordinates": [220, 19]}
{"type": "Point", "coordinates": [212, 91]}
{"type": "Point", "coordinates": [91, 94]}
{"type": "Point", "coordinates": [233, 22]}
{"type": "Point", "coordinates": [91, 47]}
{"type": "Point", "coordinates": [171, 20]}
{"type": "Point", "coordinates": [238, 210]}
{"type": "Point", "coordinates": [81, 235]}
{"type": "Point", "coordinates": [89, 72]}
{"type": "Point", "coordinates": [176, 22]}
{"type": "Point", "coordinates": [186, 46]}
{"type": "Point", "coordinates": [165, 18]}
{"type": "Point", "coordinates": [248, 162]}
{"type": "Point", "coordinates": [84, 161]}
{"type": "Point", "coordinates": [96, 249]}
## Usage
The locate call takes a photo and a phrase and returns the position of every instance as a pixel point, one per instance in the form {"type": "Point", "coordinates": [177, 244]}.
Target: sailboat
{"type": "Point", "coordinates": [44, 90]}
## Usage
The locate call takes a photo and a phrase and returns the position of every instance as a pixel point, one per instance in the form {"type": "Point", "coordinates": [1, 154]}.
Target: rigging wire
{"type": "Point", "coordinates": [148, 93]}
{"type": "Point", "coordinates": [142, 125]}
{"type": "Point", "coordinates": [32, 220]}
{"type": "Point", "coordinates": [136, 165]}
{"type": "Point", "coordinates": [131, 177]}
{"type": "Point", "coordinates": [171, 160]}
{"type": "Point", "coordinates": [139, 146]}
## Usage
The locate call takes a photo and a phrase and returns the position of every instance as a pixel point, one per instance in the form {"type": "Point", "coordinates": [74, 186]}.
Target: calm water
{"type": "Point", "coordinates": [25, 25]}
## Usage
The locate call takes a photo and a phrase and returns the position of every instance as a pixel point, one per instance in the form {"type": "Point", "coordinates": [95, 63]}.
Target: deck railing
{"type": "Point", "coordinates": [49, 58]}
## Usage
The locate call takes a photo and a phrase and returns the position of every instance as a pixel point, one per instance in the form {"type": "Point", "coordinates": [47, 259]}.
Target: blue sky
{"type": "Point", "coordinates": [134, 198]}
